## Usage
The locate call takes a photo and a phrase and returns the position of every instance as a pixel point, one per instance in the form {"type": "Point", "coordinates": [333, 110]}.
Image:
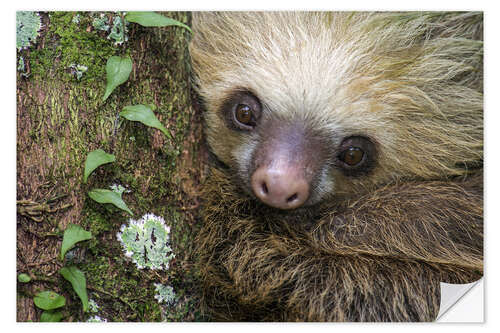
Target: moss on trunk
{"type": "Point", "coordinates": [60, 119]}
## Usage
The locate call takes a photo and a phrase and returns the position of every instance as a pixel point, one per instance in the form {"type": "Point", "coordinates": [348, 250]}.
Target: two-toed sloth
{"type": "Point", "coordinates": [348, 181]}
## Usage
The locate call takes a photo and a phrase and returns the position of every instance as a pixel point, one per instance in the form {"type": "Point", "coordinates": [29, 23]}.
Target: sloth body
{"type": "Point", "coordinates": [349, 176]}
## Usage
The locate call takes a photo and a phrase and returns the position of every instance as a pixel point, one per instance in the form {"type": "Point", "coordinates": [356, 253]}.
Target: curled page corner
{"type": "Point", "coordinates": [461, 302]}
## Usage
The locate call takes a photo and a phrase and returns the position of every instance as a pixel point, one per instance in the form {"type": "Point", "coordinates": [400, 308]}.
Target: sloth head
{"type": "Point", "coordinates": [305, 107]}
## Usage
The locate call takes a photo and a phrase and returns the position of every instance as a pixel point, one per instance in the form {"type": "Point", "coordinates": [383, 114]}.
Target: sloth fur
{"type": "Point", "coordinates": [373, 246]}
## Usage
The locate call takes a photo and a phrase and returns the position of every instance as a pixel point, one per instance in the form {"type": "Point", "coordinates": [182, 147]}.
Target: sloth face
{"type": "Point", "coordinates": [286, 162]}
{"type": "Point", "coordinates": [305, 107]}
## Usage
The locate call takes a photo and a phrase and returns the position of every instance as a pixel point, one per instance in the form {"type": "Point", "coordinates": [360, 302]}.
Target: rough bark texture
{"type": "Point", "coordinates": [60, 119]}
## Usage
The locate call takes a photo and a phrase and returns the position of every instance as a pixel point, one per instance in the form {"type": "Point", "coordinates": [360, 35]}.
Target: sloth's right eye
{"type": "Point", "coordinates": [244, 114]}
{"type": "Point", "coordinates": [243, 111]}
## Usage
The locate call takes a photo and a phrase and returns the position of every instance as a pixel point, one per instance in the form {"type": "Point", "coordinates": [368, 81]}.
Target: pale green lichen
{"type": "Point", "coordinates": [21, 67]}
{"type": "Point", "coordinates": [78, 70]}
{"type": "Point", "coordinates": [117, 188]}
{"type": "Point", "coordinates": [147, 242]}
{"type": "Point", "coordinates": [27, 26]}
{"type": "Point", "coordinates": [165, 294]}
{"type": "Point", "coordinates": [71, 255]}
{"type": "Point", "coordinates": [76, 19]}
{"type": "Point", "coordinates": [96, 319]}
{"type": "Point", "coordinates": [118, 31]}
{"type": "Point", "coordinates": [93, 307]}
{"type": "Point", "coordinates": [100, 23]}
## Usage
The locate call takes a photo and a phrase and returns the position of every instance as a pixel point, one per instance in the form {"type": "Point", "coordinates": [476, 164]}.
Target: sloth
{"type": "Point", "coordinates": [346, 181]}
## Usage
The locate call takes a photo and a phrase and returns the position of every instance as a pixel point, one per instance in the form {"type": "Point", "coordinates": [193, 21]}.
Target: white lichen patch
{"type": "Point", "coordinates": [93, 307]}
{"type": "Point", "coordinates": [119, 31]}
{"type": "Point", "coordinates": [76, 19]}
{"type": "Point", "coordinates": [147, 242]}
{"type": "Point", "coordinates": [28, 24]}
{"type": "Point", "coordinates": [78, 70]}
{"type": "Point", "coordinates": [21, 67]}
{"type": "Point", "coordinates": [117, 188]}
{"type": "Point", "coordinates": [117, 28]}
{"type": "Point", "coordinates": [96, 319]}
{"type": "Point", "coordinates": [165, 294]}
{"type": "Point", "coordinates": [99, 23]}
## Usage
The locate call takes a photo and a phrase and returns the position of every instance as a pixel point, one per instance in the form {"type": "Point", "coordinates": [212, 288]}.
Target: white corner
{"type": "Point", "coordinates": [462, 303]}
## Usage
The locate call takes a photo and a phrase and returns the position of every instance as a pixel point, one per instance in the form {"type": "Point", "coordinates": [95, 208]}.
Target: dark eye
{"type": "Point", "coordinates": [244, 114]}
{"type": "Point", "coordinates": [352, 156]}
{"type": "Point", "coordinates": [242, 110]}
{"type": "Point", "coordinates": [357, 155]}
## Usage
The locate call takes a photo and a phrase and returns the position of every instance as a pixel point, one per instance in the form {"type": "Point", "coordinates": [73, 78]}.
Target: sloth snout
{"type": "Point", "coordinates": [280, 187]}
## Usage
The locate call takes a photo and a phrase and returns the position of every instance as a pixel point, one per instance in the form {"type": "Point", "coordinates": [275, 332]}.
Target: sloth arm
{"type": "Point", "coordinates": [435, 221]}
{"type": "Point", "coordinates": [379, 258]}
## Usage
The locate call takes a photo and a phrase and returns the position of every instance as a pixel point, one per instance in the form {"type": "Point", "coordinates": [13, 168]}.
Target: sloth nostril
{"type": "Point", "coordinates": [292, 198]}
{"type": "Point", "coordinates": [264, 188]}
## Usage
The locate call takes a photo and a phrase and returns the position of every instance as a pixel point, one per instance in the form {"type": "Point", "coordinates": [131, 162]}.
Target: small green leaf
{"type": "Point", "coordinates": [51, 317]}
{"type": "Point", "coordinates": [152, 19]}
{"type": "Point", "coordinates": [24, 278]}
{"type": "Point", "coordinates": [77, 279]}
{"type": "Point", "coordinates": [95, 159]}
{"type": "Point", "coordinates": [143, 114]}
{"type": "Point", "coordinates": [117, 72]}
{"type": "Point", "coordinates": [72, 235]}
{"type": "Point", "coordinates": [107, 196]}
{"type": "Point", "coordinates": [49, 300]}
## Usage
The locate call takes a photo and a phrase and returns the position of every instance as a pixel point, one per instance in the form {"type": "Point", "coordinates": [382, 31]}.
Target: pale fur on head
{"type": "Point", "coordinates": [412, 82]}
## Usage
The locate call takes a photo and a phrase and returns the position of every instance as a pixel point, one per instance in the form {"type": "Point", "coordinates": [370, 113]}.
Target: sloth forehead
{"type": "Point", "coordinates": [296, 64]}
{"type": "Point", "coordinates": [302, 87]}
{"type": "Point", "coordinates": [306, 78]}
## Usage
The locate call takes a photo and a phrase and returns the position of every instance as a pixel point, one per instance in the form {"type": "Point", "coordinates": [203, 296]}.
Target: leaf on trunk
{"type": "Point", "coordinates": [145, 115]}
{"type": "Point", "coordinates": [152, 19]}
{"type": "Point", "coordinates": [95, 159]}
{"type": "Point", "coordinates": [117, 72]}
{"type": "Point", "coordinates": [72, 235]}
{"type": "Point", "coordinates": [51, 317]}
{"type": "Point", "coordinates": [79, 283]}
{"type": "Point", "coordinates": [49, 300]}
{"type": "Point", "coordinates": [107, 196]}
{"type": "Point", "coordinates": [23, 278]}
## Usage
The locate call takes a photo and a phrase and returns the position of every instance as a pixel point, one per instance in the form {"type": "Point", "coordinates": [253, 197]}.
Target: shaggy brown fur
{"type": "Point", "coordinates": [368, 248]}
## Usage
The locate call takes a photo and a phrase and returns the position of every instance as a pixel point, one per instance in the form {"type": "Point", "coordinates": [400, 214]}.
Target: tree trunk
{"type": "Point", "coordinates": [60, 119]}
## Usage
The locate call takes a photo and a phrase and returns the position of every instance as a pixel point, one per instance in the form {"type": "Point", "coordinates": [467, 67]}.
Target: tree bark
{"type": "Point", "coordinates": [60, 119]}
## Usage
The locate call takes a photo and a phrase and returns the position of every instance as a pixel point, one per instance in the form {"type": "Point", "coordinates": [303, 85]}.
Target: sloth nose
{"type": "Point", "coordinates": [283, 188]}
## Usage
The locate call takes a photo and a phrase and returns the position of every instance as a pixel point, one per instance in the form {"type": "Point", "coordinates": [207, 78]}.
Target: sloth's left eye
{"type": "Point", "coordinates": [352, 156]}
{"type": "Point", "coordinates": [356, 155]}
